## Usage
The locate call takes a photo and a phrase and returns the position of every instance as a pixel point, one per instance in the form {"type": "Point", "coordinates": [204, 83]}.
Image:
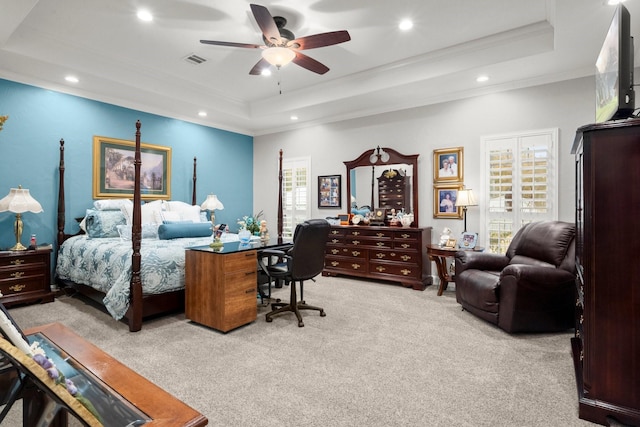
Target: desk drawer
{"type": "Point", "coordinates": [242, 261]}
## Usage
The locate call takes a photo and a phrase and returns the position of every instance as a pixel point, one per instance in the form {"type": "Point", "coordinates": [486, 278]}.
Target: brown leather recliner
{"type": "Point", "coordinates": [529, 289]}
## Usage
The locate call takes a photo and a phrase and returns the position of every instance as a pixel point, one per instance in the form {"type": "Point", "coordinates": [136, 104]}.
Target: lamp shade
{"type": "Point", "coordinates": [278, 56]}
{"type": "Point", "coordinates": [212, 203]}
{"type": "Point", "coordinates": [19, 200]}
{"type": "Point", "coordinates": [466, 198]}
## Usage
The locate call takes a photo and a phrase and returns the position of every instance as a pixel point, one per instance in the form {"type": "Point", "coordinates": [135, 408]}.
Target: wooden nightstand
{"type": "Point", "coordinates": [25, 277]}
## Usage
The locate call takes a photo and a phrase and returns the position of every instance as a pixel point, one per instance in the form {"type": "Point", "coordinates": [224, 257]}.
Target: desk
{"type": "Point", "coordinates": [131, 389]}
{"type": "Point", "coordinates": [221, 284]}
{"type": "Point", "coordinates": [439, 255]}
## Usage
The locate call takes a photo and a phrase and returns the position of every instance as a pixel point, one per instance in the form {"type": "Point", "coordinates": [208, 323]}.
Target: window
{"type": "Point", "coordinates": [295, 194]}
{"type": "Point", "coordinates": [520, 183]}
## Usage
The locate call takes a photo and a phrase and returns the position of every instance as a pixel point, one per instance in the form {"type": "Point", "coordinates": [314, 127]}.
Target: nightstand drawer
{"type": "Point", "coordinates": [22, 259]}
{"type": "Point", "coordinates": [22, 286]}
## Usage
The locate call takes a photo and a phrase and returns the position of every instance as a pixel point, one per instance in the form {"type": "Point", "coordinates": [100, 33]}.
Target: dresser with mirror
{"type": "Point", "coordinates": [378, 181]}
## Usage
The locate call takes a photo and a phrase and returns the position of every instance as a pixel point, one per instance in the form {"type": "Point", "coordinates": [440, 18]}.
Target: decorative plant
{"type": "Point", "coordinates": [251, 223]}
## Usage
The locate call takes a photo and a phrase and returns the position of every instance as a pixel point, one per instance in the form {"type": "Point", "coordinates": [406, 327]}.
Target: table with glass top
{"type": "Point", "coordinates": [221, 283]}
{"type": "Point", "coordinates": [120, 396]}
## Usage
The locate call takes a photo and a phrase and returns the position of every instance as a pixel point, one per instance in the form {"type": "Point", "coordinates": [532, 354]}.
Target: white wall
{"type": "Point", "coordinates": [566, 105]}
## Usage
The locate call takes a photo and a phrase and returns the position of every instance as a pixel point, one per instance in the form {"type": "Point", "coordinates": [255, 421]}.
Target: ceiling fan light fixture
{"type": "Point", "coordinates": [278, 56]}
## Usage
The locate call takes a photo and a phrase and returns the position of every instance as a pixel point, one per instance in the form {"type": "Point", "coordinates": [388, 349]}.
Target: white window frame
{"type": "Point", "coordinates": [507, 223]}
{"type": "Point", "coordinates": [292, 216]}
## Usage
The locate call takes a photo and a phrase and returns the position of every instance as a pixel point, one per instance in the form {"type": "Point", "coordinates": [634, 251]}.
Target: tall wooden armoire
{"type": "Point", "coordinates": [606, 347]}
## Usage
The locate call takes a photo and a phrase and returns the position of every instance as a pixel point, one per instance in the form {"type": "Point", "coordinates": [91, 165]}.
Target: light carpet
{"type": "Point", "coordinates": [383, 356]}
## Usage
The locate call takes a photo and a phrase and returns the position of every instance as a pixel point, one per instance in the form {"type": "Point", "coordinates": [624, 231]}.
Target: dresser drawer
{"type": "Point", "coordinates": [346, 252]}
{"type": "Point", "coordinates": [357, 265]}
{"type": "Point", "coordinates": [412, 271]}
{"type": "Point", "coordinates": [395, 256]}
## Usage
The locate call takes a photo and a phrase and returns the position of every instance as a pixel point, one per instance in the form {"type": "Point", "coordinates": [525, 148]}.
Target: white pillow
{"type": "Point", "coordinates": [149, 211]}
{"type": "Point", "coordinates": [111, 204]}
{"type": "Point", "coordinates": [170, 216]}
{"type": "Point", "coordinates": [176, 205]}
{"type": "Point", "coordinates": [190, 213]}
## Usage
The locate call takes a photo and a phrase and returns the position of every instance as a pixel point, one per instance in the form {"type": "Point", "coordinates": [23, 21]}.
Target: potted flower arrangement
{"type": "Point", "coordinates": [251, 223]}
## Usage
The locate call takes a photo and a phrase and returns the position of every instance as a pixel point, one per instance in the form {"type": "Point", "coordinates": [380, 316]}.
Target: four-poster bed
{"type": "Point", "coordinates": [134, 291]}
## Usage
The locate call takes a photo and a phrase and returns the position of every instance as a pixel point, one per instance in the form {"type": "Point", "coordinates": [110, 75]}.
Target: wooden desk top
{"type": "Point", "coordinates": [162, 407]}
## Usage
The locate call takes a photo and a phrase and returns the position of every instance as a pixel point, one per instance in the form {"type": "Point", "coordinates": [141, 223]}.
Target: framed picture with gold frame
{"type": "Point", "coordinates": [444, 201]}
{"type": "Point", "coordinates": [448, 164]}
{"type": "Point", "coordinates": [113, 169]}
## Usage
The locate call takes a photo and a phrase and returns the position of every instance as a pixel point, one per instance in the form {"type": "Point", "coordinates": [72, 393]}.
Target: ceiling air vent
{"type": "Point", "coordinates": [195, 59]}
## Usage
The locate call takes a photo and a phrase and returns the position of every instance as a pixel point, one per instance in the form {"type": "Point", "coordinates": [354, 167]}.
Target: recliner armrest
{"type": "Point", "coordinates": [466, 260]}
{"type": "Point", "coordinates": [543, 277]}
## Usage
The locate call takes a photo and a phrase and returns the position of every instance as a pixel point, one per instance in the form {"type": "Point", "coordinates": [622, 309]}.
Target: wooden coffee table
{"type": "Point", "coordinates": [160, 407]}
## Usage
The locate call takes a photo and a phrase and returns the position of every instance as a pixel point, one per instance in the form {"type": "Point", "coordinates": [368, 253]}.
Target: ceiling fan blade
{"type": "Point", "coordinates": [232, 44]}
{"type": "Point", "coordinates": [266, 23]}
{"type": "Point", "coordinates": [310, 64]}
{"type": "Point", "coordinates": [320, 40]}
{"type": "Point", "coordinates": [261, 65]}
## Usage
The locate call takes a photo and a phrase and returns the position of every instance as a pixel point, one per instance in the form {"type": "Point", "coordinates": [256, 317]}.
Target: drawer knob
{"type": "Point", "coordinates": [17, 274]}
{"type": "Point", "coordinates": [335, 251]}
{"type": "Point", "coordinates": [355, 253]}
{"type": "Point", "coordinates": [380, 268]}
{"type": "Point", "coordinates": [380, 234]}
{"type": "Point", "coordinates": [17, 288]}
{"type": "Point", "coordinates": [356, 233]}
{"type": "Point", "coordinates": [405, 236]}
{"type": "Point", "coordinates": [381, 255]}
{"type": "Point", "coordinates": [356, 242]}
{"type": "Point", "coordinates": [405, 245]}
{"type": "Point", "coordinates": [334, 263]}
{"type": "Point", "coordinates": [355, 266]}
{"type": "Point", "coordinates": [405, 257]}
{"type": "Point", "coordinates": [405, 272]}
{"type": "Point", "coordinates": [17, 261]}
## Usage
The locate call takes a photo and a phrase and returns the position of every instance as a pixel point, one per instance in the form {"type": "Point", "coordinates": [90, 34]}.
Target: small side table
{"type": "Point", "coordinates": [439, 255]}
{"type": "Point", "coordinates": [25, 277]}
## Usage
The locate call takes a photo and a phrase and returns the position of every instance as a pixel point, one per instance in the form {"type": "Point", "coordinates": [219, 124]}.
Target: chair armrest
{"type": "Point", "coordinates": [466, 260]}
{"type": "Point", "coordinates": [540, 277]}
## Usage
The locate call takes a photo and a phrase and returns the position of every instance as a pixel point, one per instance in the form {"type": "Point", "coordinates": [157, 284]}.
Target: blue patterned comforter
{"type": "Point", "coordinates": [105, 264]}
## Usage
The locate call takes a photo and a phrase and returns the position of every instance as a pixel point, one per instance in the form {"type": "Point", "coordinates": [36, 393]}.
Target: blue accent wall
{"type": "Point", "coordinates": [39, 118]}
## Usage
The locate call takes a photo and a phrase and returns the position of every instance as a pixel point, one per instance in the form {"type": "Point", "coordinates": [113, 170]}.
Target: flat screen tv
{"type": "Point", "coordinates": [614, 71]}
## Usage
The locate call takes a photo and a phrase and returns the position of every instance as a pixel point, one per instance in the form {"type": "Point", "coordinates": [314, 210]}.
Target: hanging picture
{"type": "Point", "coordinates": [113, 169]}
{"type": "Point", "coordinates": [329, 191]}
{"type": "Point", "coordinates": [444, 201]}
{"type": "Point", "coordinates": [448, 164]}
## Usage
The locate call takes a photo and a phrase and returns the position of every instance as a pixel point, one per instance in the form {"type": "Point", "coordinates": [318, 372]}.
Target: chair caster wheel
{"type": "Point", "coordinates": [322, 313]}
{"type": "Point", "coordinates": [268, 319]}
{"type": "Point", "coordinates": [300, 324]}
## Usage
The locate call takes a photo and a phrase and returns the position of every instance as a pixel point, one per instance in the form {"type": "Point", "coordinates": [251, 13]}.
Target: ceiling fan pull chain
{"type": "Point", "coordinates": [279, 81]}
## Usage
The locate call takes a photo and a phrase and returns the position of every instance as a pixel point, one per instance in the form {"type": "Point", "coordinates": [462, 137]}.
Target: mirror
{"type": "Point", "coordinates": [365, 173]}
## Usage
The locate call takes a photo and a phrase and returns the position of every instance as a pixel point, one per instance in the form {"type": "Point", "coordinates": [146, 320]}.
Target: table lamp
{"type": "Point", "coordinates": [466, 198]}
{"type": "Point", "coordinates": [19, 201]}
{"type": "Point", "coordinates": [211, 204]}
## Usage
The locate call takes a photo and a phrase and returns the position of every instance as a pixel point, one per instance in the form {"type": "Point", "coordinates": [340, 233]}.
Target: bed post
{"type": "Point", "coordinates": [135, 288]}
{"type": "Point", "coordinates": [61, 208]}
{"type": "Point", "coordinates": [194, 201]}
{"type": "Point", "coordinates": [280, 198]}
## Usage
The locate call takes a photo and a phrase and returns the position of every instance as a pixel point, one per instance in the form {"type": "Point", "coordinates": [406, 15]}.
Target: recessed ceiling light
{"type": "Point", "coordinates": [72, 79]}
{"type": "Point", "coordinates": [294, 117]}
{"type": "Point", "coordinates": [145, 15]}
{"type": "Point", "coordinates": [405, 25]}
{"type": "Point", "coordinates": [202, 113]}
{"type": "Point", "coordinates": [615, 2]}
{"type": "Point", "coordinates": [482, 79]}
{"type": "Point", "coordinates": [266, 72]}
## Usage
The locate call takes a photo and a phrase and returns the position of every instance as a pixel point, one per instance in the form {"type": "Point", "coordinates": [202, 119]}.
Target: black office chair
{"type": "Point", "coordinates": [304, 261]}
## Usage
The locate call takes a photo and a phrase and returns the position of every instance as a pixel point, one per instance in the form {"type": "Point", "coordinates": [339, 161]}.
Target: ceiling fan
{"type": "Point", "coordinates": [281, 46]}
